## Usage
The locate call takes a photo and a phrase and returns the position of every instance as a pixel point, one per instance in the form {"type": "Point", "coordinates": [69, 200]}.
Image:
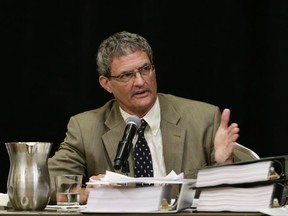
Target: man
{"type": "Point", "coordinates": [182, 134]}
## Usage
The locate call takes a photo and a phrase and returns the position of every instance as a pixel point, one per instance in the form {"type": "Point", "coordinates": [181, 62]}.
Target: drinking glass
{"type": "Point", "coordinates": [68, 189]}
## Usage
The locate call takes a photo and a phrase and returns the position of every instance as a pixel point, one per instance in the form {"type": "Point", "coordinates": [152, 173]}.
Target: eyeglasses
{"type": "Point", "coordinates": [126, 76]}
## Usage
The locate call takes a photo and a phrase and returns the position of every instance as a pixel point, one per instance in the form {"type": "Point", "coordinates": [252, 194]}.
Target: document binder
{"type": "Point", "coordinates": [263, 170]}
{"type": "Point", "coordinates": [242, 199]}
{"type": "Point", "coordinates": [245, 186]}
{"type": "Point", "coordinates": [139, 199]}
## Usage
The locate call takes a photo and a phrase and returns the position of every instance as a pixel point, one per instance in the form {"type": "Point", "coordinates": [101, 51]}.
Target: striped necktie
{"type": "Point", "coordinates": [143, 166]}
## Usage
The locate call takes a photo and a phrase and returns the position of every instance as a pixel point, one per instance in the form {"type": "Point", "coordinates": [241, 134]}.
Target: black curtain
{"type": "Point", "coordinates": [229, 53]}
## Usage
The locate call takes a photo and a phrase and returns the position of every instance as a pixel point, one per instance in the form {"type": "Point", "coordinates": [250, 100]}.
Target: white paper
{"type": "Point", "coordinates": [4, 199]}
{"type": "Point", "coordinates": [139, 199]}
{"type": "Point", "coordinates": [233, 174]}
{"type": "Point", "coordinates": [122, 199]}
{"type": "Point", "coordinates": [235, 199]}
{"type": "Point", "coordinates": [116, 178]}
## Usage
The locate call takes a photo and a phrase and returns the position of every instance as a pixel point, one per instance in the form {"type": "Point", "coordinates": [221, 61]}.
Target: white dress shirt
{"type": "Point", "coordinates": [153, 137]}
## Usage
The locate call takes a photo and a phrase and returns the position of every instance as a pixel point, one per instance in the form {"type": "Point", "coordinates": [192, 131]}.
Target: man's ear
{"type": "Point", "coordinates": [104, 82]}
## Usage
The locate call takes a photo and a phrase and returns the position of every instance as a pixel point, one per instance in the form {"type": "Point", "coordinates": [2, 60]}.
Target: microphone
{"type": "Point", "coordinates": [133, 123]}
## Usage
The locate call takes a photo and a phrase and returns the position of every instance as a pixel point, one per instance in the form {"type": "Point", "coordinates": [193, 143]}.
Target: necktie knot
{"type": "Point", "coordinates": [143, 126]}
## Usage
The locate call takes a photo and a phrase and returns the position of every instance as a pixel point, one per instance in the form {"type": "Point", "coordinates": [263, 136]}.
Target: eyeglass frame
{"type": "Point", "coordinates": [141, 70]}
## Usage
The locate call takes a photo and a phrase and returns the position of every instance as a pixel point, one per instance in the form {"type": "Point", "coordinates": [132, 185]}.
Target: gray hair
{"type": "Point", "coordinates": [120, 44]}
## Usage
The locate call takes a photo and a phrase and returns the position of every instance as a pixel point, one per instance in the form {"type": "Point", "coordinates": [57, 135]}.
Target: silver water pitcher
{"type": "Point", "coordinates": [28, 184]}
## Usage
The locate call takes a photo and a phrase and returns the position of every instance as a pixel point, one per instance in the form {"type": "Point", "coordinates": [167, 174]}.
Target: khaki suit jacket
{"type": "Point", "coordinates": [188, 129]}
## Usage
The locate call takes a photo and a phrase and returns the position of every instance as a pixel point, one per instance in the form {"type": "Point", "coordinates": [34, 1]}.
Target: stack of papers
{"type": "Point", "coordinates": [111, 193]}
{"type": "Point", "coordinates": [235, 199]}
{"type": "Point", "coordinates": [4, 199]}
{"type": "Point", "coordinates": [116, 178]}
{"type": "Point", "coordinates": [125, 199]}
{"type": "Point", "coordinates": [244, 186]}
{"type": "Point", "coordinates": [234, 174]}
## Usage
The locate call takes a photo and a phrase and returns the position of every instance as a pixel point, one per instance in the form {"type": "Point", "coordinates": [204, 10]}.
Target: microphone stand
{"type": "Point", "coordinates": [125, 168]}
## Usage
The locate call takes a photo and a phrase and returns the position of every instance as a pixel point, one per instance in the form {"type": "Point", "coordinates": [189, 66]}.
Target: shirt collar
{"type": "Point", "coordinates": [152, 117]}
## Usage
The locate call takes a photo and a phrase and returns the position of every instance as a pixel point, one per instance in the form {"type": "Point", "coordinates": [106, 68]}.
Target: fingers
{"type": "Point", "coordinates": [85, 191]}
{"type": "Point", "coordinates": [233, 132]}
{"type": "Point", "coordinates": [98, 177]}
{"type": "Point", "coordinates": [225, 118]}
{"type": "Point", "coordinates": [233, 129]}
{"type": "Point", "coordinates": [84, 195]}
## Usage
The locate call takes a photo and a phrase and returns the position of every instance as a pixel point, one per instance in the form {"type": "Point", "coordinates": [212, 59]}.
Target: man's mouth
{"type": "Point", "coordinates": [142, 92]}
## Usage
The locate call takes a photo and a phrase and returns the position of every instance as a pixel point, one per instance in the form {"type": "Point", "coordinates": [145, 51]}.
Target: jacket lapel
{"type": "Point", "coordinates": [173, 136]}
{"type": "Point", "coordinates": [116, 126]}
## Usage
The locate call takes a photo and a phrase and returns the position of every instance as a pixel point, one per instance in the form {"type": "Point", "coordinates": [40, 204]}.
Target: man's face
{"type": "Point", "coordinates": [137, 95]}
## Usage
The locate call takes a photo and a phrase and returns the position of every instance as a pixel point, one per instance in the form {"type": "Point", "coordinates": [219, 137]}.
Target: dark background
{"type": "Point", "coordinates": [229, 53]}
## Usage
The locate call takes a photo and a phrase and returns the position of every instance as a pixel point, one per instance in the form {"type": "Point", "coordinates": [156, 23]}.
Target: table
{"type": "Point", "coordinates": [75, 213]}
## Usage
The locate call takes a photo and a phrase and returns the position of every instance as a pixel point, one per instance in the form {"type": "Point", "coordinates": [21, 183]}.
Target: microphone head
{"type": "Point", "coordinates": [134, 120]}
